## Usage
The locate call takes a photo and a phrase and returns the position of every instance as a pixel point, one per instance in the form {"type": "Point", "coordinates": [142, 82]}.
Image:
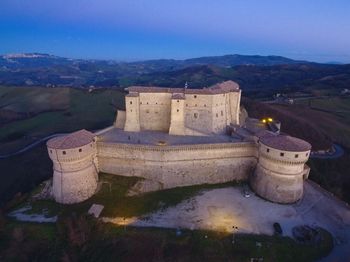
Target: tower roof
{"type": "Point", "coordinates": [285, 142]}
{"type": "Point", "coordinates": [73, 140]}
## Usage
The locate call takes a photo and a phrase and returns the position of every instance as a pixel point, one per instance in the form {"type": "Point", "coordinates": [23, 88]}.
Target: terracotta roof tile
{"type": "Point", "coordinates": [285, 142]}
{"type": "Point", "coordinates": [73, 140]}
{"type": "Point", "coordinates": [178, 96]}
{"type": "Point", "coordinates": [221, 88]}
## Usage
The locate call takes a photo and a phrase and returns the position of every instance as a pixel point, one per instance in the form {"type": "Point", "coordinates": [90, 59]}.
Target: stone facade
{"type": "Point", "coordinates": [75, 174]}
{"type": "Point", "coordinates": [181, 165]}
{"type": "Point", "coordinates": [280, 172]}
{"type": "Point", "coordinates": [274, 164]}
{"type": "Point", "coordinates": [182, 111]}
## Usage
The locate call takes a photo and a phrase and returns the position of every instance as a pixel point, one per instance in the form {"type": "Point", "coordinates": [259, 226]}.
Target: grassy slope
{"type": "Point", "coordinates": [73, 109]}
{"type": "Point", "coordinates": [85, 239]}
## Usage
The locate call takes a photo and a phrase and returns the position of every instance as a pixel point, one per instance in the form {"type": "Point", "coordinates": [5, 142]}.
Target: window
{"type": "Point", "coordinates": [186, 104]}
{"type": "Point", "coordinates": [130, 110]}
{"type": "Point", "coordinates": [178, 101]}
{"type": "Point", "coordinates": [217, 115]}
{"type": "Point", "coordinates": [130, 102]}
{"type": "Point", "coordinates": [80, 150]}
{"type": "Point", "coordinates": [307, 154]}
{"type": "Point", "coordinates": [156, 103]}
{"type": "Point", "coordinates": [195, 96]}
{"type": "Point", "coordinates": [147, 111]}
{"type": "Point", "coordinates": [195, 105]}
{"type": "Point", "coordinates": [205, 105]}
{"type": "Point", "coordinates": [177, 110]}
{"type": "Point", "coordinates": [195, 115]}
{"type": "Point", "coordinates": [64, 152]}
{"type": "Point", "coordinates": [281, 154]}
{"type": "Point", "coordinates": [268, 150]}
{"type": "Point", "coordinates": [222, 113]}
{"type": "Point", "coordinates": [296, 156]}
{"type": "Point", "coordinates": [140, 103]}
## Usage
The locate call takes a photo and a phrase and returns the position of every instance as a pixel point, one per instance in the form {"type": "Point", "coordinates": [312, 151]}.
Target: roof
{"type": "Point", "coordinates": [73, 140]}
{"type": "Point", "coordinates": [221, 88]}
{"type": "Point", "coordinates": [285, 142]}
{"type": "Point", "coordinates": [132, 95]}
{"type": "Point", "coordinates": [178, 96]}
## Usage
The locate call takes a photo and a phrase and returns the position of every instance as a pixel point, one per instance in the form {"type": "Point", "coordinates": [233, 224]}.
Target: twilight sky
{"type": "Point", "coordinates": [316, 30]}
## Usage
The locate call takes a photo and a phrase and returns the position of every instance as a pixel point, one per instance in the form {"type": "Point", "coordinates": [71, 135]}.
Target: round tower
{"type": "Point", "coordinates": [281, 168]}
{"type": "Point", "coordinates": [75, 174]}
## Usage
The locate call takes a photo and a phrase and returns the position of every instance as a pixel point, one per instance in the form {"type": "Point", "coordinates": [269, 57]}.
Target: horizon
{"type": "Point", "coordinates": [146, 30]}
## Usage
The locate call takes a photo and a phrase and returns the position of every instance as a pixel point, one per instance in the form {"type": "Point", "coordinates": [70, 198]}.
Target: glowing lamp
{"type": "Point", "coordinates": [270, 119]}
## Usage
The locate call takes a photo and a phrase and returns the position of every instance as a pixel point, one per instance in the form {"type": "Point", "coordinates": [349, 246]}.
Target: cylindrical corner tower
{"type": "Point", "coordinates": [75, 175]}
{"type": "Point", "coordinates": [281, 168]}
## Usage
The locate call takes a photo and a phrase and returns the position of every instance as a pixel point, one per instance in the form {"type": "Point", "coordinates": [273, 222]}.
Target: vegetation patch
{"type": "Point", "coordinates": [83, 238]}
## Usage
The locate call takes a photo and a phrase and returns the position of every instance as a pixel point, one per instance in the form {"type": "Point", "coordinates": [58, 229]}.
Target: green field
{"type": "Point", "coordinates": [54, 110]}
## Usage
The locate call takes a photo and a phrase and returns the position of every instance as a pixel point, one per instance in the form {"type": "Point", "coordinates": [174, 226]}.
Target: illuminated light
{"type": "Point", "coordinates": [270, 119]}
{"type": "Point", "coordinates": [264, 120]}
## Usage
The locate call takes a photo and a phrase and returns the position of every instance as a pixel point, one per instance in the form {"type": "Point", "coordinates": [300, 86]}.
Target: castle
{"type": "Point", "coordinates": [174, 137]}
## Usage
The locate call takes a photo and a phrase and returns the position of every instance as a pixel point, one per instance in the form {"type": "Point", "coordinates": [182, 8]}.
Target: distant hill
{"type": "Point", "coordinates": [254, 72]}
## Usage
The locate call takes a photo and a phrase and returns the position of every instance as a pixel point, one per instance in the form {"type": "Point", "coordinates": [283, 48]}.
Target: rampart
{"type": "Point", "coordinates": [179, 165]}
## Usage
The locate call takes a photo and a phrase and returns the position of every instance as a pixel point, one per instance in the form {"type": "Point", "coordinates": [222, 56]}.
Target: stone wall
{"type": "Point", "coordinates": [181, 165]}
{"type": "Point", "coordinates": [75, 174]}
{"type": "Point", "coordinates": [203, 113]}
{"type": "Point", "coordinates": [280, 174]}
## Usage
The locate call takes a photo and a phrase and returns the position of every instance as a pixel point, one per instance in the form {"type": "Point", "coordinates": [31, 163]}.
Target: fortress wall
{"type": "Point", "coordinates": [177, 122]}
{"type": "Point", "coordinates": [282, 161]}
{"type": "Point", "coordinates": [235, 100]}
{"type": "Point", "coordinates": [72, 154]}
{"type": "Point", "coordinates": [74, 187]}
{"type": "Point", "coordinates": [198, 111]}
{"type": "Point", "coordinates": [155, 110]}
{"type": "Point", "coordinates": [75, 175]}
{"type": "Point", "coordinates": [120, 119]}
{"type": "Point", "coordinates": [219, 113]}
{"type": "Point", "coordinates": [132, 122]}
{"type": "Point", "coordinates": [181, 165]}
{"type": "Point", "coordinates": [276, 187]}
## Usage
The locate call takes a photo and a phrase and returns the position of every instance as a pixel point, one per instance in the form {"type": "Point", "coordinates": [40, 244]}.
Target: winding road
{"type": "Point", "coordinates": [28, 147]}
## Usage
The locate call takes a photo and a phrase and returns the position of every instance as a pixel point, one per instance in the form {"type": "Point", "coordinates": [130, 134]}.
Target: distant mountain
{"type": "Point", "coordinates": [252, 72]}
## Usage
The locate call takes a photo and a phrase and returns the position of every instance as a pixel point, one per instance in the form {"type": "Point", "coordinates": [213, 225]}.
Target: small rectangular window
{"type": "Point", "coordinates": [130, 102]}
{"type": "Point", "coordinates": [177, 110]}
{"type": "Point", "coordinates": [64, 152]}
{"type": "Point", "coordinates": [195, 96]}
{"type": "Point", "coordinates": [222, 113]}
{"type": "Point", "coordinates": [296, 156]}
{"type": "Point", "coordinates": [281, 154]}
{"type": "Point", "coordinates": [195, 115]}
{"type": "Point", "coordinates": [268, 150]}
{"type": "Point", "coordinates": [80, 150]}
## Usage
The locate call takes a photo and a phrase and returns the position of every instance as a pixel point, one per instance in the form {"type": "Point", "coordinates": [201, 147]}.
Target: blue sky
{"type": "Point", "coordinates": [147, 29]}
